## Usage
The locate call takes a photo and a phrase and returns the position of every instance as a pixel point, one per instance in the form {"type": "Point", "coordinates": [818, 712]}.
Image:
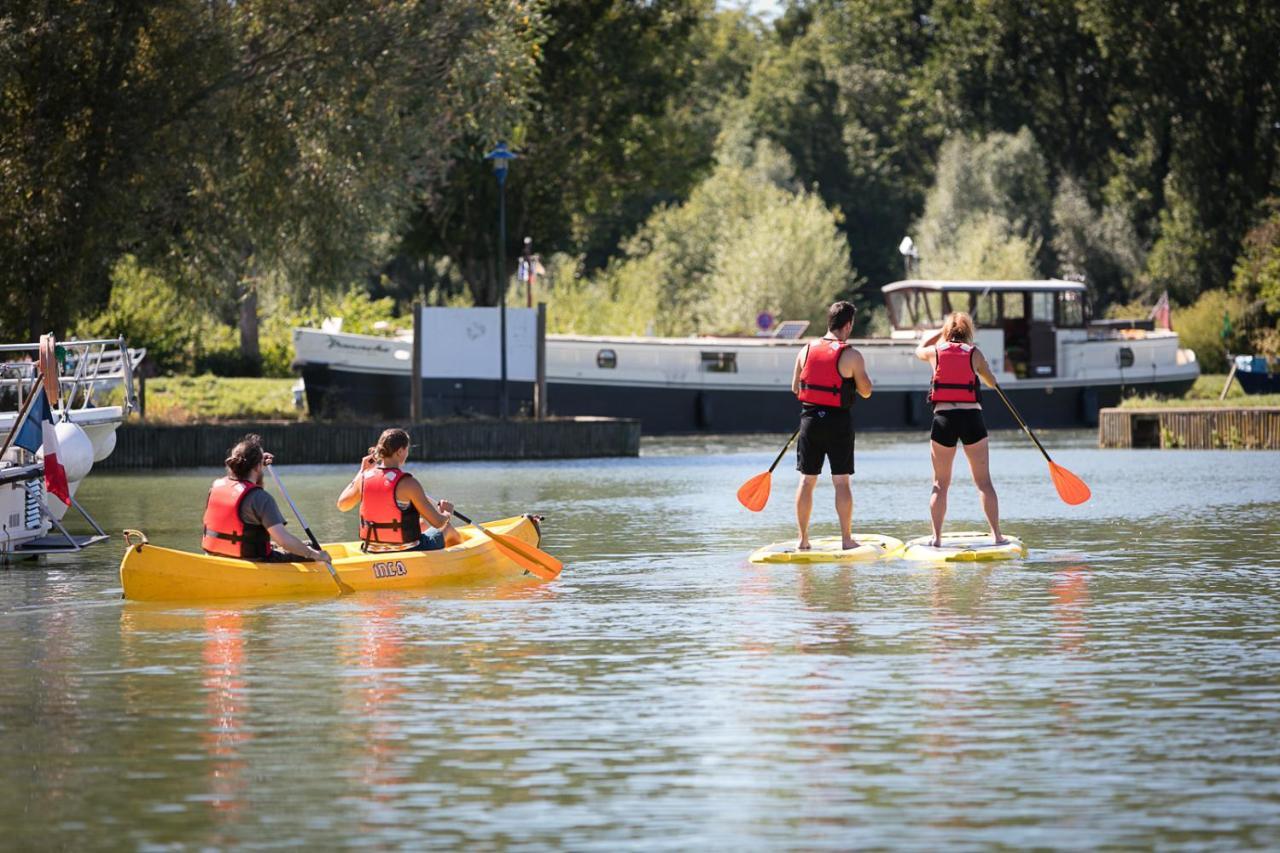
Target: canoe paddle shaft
{"type": "Point", "coordinates": [315, 543]}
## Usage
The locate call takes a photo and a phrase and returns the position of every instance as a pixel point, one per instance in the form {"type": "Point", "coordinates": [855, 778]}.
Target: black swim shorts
{"type": "Point", "coordinates": [963, 425]}
{"type": "Point", "coordinates": [825, 433]}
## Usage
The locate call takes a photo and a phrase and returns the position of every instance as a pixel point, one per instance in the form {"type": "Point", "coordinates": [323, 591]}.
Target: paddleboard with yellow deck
{"type": "Point", "coordinates": [972, 546]}
{"type": "Point", "coordinates": [826, 549]}
{"type": "Point", "coordinates": [151, 573]}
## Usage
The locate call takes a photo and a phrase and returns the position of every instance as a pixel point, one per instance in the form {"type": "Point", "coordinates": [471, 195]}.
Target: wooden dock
{"type": "Point", "coordinates": [205, 445]}
{"type": "Point", "coordinates": [1205, 428]}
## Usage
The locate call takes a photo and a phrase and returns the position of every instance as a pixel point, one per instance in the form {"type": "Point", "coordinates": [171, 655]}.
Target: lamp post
{"type": "Point", "coordinates": [500, 155]}
{"type": "Point", "coordinates": [907, 248]}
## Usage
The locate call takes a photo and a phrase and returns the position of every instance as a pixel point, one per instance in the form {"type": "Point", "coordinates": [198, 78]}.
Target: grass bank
{"type": "Point", "coordinates": [1205, 394]}
{"type": "Point", "coordinates": [193, 399]}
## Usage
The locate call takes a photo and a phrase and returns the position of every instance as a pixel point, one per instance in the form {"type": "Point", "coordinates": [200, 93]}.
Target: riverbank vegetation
{"type": "Point", "coordinates": [203, 176]}
{"type": "Point", "coordinates": [1204, 393]}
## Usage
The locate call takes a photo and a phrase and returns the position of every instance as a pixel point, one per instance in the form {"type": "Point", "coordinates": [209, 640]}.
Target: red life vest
{"type": "Point", "coordinates": [381, 519]}
{"type": "Point", "coordinates": [954, 379]}
{"type": "Point", "coordinates": [224, 532]}
{"type": "Point", "coordinates": [820, 381]}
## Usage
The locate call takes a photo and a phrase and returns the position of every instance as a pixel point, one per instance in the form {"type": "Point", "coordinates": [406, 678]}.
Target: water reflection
{"type": "Point", "coordinates": [227, 705]}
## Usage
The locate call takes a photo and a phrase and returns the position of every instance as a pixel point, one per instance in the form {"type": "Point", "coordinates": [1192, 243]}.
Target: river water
{"type": "Point", "coordinates": [1121, 687]}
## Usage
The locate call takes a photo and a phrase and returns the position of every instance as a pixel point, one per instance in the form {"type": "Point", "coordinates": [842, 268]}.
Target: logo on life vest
{"type": "Point", "coordinates": [389, 570]}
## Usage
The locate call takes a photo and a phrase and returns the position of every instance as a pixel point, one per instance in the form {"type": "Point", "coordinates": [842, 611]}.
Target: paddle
{"type": "Point", "coordinates": [520, 552]}
{"type": "Point", "coordinates": [315, 543]}
{"type": "Point", "coordinates": [1070, 488]}
{"type": "Point", "coordinates": [754, 493]}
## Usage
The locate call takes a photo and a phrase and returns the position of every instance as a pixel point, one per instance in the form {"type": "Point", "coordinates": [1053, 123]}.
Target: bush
{"type": "Point", "coordinates": [1101, 245]}
{"type": "Point", "coordinates": [1200, 328]}
{"type": "Point", "coordinates": [987, 192]}
{"type": "Point", "coordinates": [150, 312]}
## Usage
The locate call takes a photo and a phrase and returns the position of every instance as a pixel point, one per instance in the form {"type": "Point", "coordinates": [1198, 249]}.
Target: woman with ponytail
{"type": "Point", "coordinates": [957, 417]}
{"type": "Point", "coordinates": [395, 513]}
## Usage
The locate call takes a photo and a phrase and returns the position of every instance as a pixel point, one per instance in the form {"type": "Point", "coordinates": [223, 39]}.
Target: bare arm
{"type": "Point", "coordinates": [795, 373]}
{"type": "Point", "coordinates": [294, 545]}
{"type": "Point", "coordinates": [926, 352]}
{"type": "Point", "coordinates": [983, 369]}
{"type": "Point", "coordinates": [350, 497]}
{"type": "Point", "coordinates": [437, 516]}
{"type": "Point", "coordinates": [854, 366]}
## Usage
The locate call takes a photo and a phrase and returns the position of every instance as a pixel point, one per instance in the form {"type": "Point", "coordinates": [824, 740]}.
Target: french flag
{"type": "Point", "coordinates": [38, 430]}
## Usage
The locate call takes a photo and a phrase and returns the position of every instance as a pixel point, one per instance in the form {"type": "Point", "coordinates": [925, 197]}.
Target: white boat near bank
{"type": "Point", "coordinates": [1056, 364]}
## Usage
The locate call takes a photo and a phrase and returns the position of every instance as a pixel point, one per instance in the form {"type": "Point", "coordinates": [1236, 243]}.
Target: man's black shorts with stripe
{"type": "Point", "coordinates": [825, 433]}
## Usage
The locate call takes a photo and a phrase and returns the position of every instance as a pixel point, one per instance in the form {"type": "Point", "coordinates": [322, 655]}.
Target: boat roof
{"type": "Point", "coordinates": [1049, 284]}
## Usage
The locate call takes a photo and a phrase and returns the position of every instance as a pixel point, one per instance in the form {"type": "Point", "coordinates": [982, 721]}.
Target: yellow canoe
{"type": "Point", "coordinates": [151, 573]}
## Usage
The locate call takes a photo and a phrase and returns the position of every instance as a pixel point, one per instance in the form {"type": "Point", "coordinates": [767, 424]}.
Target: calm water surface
{"type": "Point", "coordinates": [1119, 688]}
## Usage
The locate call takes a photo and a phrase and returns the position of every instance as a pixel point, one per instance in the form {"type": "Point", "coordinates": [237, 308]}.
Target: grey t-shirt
{"type": "Point", "coordinates": [260, 508]}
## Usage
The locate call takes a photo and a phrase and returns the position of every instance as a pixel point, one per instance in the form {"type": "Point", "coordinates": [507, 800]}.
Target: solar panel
{"type": "Point", "coordinates": [790, 330]}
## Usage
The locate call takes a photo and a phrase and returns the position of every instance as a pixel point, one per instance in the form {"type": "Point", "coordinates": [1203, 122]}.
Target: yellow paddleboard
{"type": "Point", "coordinates": [972, 546]}
{"type": "Point", "coordinates": [826, 549]}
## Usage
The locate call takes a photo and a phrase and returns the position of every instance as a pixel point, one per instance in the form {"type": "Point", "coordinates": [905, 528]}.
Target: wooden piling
{"type": "Point", "coordinates": [1207, 428]}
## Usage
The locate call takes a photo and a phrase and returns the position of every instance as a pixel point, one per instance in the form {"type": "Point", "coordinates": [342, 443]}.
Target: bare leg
{"type": "Point", "coordinates": [942, 457]}
{"type": "Point", "coordinates": [804, 507]}
{"type": "Point", "coordinates": [980, 465]}
{"type": "Point", "coordinates": [844, 510]}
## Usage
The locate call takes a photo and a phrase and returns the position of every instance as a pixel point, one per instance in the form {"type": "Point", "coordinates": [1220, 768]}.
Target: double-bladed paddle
{"type": "Point", "coordinates": [315, 543]}
{"type": "Point", "coordinates": [520, 552]}
{"type": "Point", "coordinates": [1070, 488]}
{"type": "Point", "coordinates": [754, 493]}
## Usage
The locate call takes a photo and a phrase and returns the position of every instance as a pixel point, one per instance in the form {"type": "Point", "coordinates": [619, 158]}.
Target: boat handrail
{"type": "Point", "coordinates": [94, 363]}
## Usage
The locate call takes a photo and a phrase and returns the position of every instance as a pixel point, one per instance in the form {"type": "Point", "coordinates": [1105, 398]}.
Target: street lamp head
{"type": "Point", "coordinates": [908, 248]}
{"type": "Point", "coordinates": [499, 156]}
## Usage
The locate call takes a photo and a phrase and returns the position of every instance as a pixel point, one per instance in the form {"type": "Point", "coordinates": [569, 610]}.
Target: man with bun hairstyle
{"type": "Point", "coordinates": [828, 372]}
{"type": "Point", "coordinates": [957, 417]}
{"type": "Point", "coordinates": [241, 520]}
{"type": "Point", "coordinates": [395, 513]}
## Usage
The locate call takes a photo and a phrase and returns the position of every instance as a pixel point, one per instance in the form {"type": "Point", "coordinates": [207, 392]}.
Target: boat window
{"type": "Point", "coordinates": [984, 309]}
{"type": "Point", "coordinates": [1014, 305]}
{"type": "Point", "coordinates": [606, 358]}
{"type": "Point", "coordinates": [1070, 309]}
{"type": "Point", "coordinates": [720, 362]}
{"type": "Point", "coordinates": [1042, 306]}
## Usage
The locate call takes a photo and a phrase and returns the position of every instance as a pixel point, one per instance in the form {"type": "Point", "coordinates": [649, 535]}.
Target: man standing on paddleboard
{"type": "Point", "coordinates": [827, 373]}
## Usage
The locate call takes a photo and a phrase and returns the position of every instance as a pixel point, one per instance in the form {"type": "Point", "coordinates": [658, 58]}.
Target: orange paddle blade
{"type": "Point", "coordinates": [754, 493]}
{"type": "Point", "coordinates": [526, 556]}
{"type": "Point", "coordinates": [1070, 487]}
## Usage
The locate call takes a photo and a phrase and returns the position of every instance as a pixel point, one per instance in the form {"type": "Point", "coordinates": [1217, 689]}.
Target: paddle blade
{"type": "Point", "coordinates": [754, 493]}
{"type": "Point", "coordinates": [526, 556]}
{"type": "Point", "coordinates": [1070, 488]}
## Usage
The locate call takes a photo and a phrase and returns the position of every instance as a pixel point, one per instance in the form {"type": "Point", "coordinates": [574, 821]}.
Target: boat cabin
{"type": "Point", "coordinates": [1028, 314]}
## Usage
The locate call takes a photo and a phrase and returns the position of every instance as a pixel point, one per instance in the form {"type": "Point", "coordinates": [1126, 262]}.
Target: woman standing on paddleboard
{"type": "Point", "coordinates": [957, 417]}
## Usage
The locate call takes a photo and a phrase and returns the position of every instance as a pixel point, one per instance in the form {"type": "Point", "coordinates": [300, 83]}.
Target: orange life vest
{"type": "Point", "coordinates": [820, 381]}
{"type": "Point", "coordinates": [954, 379]}
{"type": "Point", "coordinates": [224, 532]}
{"type": "Point", "coordinates": [381, 519]}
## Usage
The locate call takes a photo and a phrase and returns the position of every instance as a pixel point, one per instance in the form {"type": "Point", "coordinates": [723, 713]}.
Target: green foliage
{"type": "Point", "coordinates": [148, 310]}
{"type": "Point", "coordinates": [1257, 273]}
{"type": "Point", "coordinates": [1203, 393]}
{"type": "Point", "coordinates": [594, 305]}
{"type": "Point", "coordinates": [988, 210]}
{"type": "Point", "coordinates": [1100, 245]}
{"type": "Point", "coordinates": [1200, 325]}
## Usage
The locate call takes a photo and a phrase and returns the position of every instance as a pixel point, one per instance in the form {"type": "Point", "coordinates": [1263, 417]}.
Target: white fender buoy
{"type": "Point", "coordinates": [104, 445]}
{"type": "Point", "coordinates": [75, 451]}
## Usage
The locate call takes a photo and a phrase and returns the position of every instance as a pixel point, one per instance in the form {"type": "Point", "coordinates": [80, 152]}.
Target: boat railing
{"type": "Point", "coordinates": [92, 366]}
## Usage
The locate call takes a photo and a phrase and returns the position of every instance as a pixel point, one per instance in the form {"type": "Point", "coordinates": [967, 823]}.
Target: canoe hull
{"type": "Point", "coordinates": [151, 573]}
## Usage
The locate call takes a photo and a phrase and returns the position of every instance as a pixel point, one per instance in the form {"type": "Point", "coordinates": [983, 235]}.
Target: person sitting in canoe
{"type": "Point", "coordinates": [827, 374]}
{"type": "Point", "coordinates": [395, 513]}
{"type": "Point", "coordinates": [957, 417]}
{"type": "Point", "coordinates": [242, 520]}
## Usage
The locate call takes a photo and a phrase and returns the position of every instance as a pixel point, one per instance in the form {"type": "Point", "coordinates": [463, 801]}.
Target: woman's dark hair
{"type": "Point", "coordinates": [839, 315]}
{"type": "Point", "coordinates": [390, 442]}
{"type": "Point", "coordinates": [244, 457]}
